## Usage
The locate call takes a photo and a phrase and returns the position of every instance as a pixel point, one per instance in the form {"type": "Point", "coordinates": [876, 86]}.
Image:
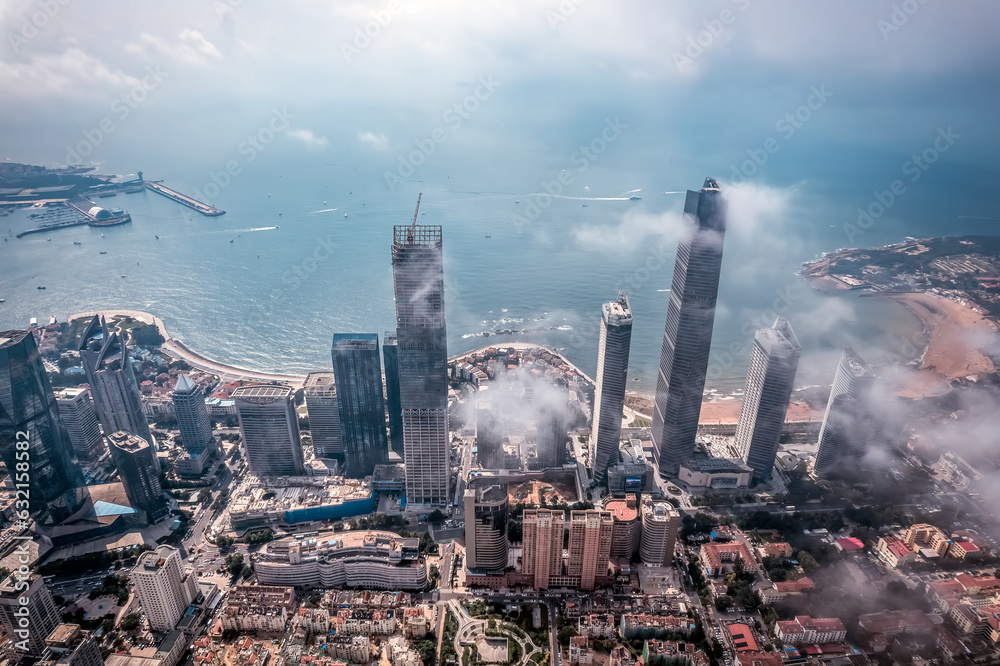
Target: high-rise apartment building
{"type": "Point", "coordinates": [612, 375]}
{"type": "Point", "coordinates": [79, 417]}
{"type": "Point", "coordinates": [551, 433]}
{"type": "Point", "coordinates": [421, 338]}
{"type": "Point", "coordinates": [112, 380]}
{"type": "Point", "coordinates": [660, 523]}
{"type": "Point", "coordinates": [358, 373]}
{"type": "Point", "coordinates": [192, 416]}
{"type": "Point", "coordinates": [770, 379]}
{"type": "Point", "coordinates": [27, 638]}
{"type": "Point", "coordinates": [848, 424]}
{"type": "Point", "coordinates": [324, 415]}
{"type": "Point", "coordinates": [136, 463]}
{"type": "Point", "coordinates": [68, 645]}
{"type": "Point", "coordinates": [390, 365]}
{"type": "Point", "coordinates": [29, 422]}
{"type": "Point", "coordinates": [270, 430]}
{"type": "Point", "coordinates": [590, 535]}
{"type": "Point", "coordinates": [627, 527]}
{"type": "Point", "coordinates": [489, 434]}
{"type": "Point", "coordinates": [486, 517]}
{"type": "Point", "coordinates": [687, 335]}
{"type": "Point", "coordinates": [163, 589]}
{"type": "Point", "coordinates": [541, 556]}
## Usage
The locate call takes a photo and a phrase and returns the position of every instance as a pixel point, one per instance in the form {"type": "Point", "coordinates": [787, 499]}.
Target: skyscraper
{"type": "Point", "coordinates": [358, 373]}
{"type": "Point", "coordinates": [112, 381]}
{"type": "Point", "coordinates": [489, 433]}
{"type": "Point", "coordinates": [770, 378]}
{"type": "Point", "coordinates": [324, 415]}
{"type": "Point", "coordinates": [163, 589]}
{"type": "Point", "coordinates": [42, 619]}
{"type": "Point", "coordinates": [390, 357]}
{"type": "Point", "coordinates": [79, 417]}
{"type": "Point", "coordinates": [612, 371]}
{"type": "Point", "coordinates": [589, 545]}
{"type": "Point", "coordinates": [418, 282]}
{"type": "Point", "coordinates": [660, 522]}
{"type": "Point", "coordinates": [848, 424]}
{"type": "Point", "coordinates": [541, 556]}
{"type": "Point", "coordinates": [687, 335]}
{"type": "Point", "coordinates": [486, 544]}
{"type": "Point", "coordinates": [270, 430]}
{"type": "Point", "coordinates": [136, 462]}
{"type": "Point", "coordinates": [192, 417]}
{"type": "Point", "coordinates": [28, 413]}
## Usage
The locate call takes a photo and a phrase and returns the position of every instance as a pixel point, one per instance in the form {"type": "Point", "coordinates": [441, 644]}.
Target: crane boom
{"type": "Point", "coordinates": [413, 225]}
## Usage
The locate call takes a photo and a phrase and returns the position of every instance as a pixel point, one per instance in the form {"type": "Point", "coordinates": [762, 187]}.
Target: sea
{"type": "Point", "coordinates": [303, 252]}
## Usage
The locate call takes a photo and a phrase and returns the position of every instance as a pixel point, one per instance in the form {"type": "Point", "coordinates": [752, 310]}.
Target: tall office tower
{"type": "Point", "coordinates": [324, 415]}
{"type": "Point", "coordinates": [192, 416]}
{"type": "Point", "coordinates": [486, 544]}
{"type": "Point", "coordinates": [627, 528]}
{"type": "Point", "coordinates": [612, 371]}
{"type": "Point", "coordinates": [164, 591]}
{"type": "Point", "coordinates": [552, 433]}
{"type": "Point", "coordinates": [541, 555]}
{"type": "Point", "coordinates": [418, 283]}
{"type": "Point", "coordinates": [770, 378]}
{"type": "Point", "coordinates": [589, 545]}
{"type": "Point", "coordinates": [43, 616]}
{"type": "Point", "coordinates": [112, 381]}
{"type": "Point", "coordinates": [270, 430]}
{"type": "Point", "coordinates": [390, 358]}
{"type": "Point", "coordinates": [68, 645]}
{"type": "Point", "coordinates": [489, 434]}
{"type": "Point", "coordinates": [848, 424]}
{"type": "Point", "coordinates": [660, 523]}
{"type": "Point", "coordinates": [135, 460]}
{"type": "Point", "coordinates": [687, 335]}
{"type": "Point", "coordinates": [28, 413]}
{"type": "Point", "coordinates": [79, 417]}
{"type": "Point", "coordinates": [358, 373]}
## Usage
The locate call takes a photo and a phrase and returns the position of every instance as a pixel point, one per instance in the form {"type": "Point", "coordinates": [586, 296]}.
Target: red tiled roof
{"type": "Point", "coordinates": [850, 543]}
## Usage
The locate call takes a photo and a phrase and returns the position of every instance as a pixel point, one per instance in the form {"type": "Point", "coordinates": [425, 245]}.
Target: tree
{"type": "Point", "coordinates": [565, 633]}
{"type": "Point", "coordinates": [234, 563]}
{"type": "Point", "coordinates": [130, 622]}
{"type": "Point", "coordinates": [436, 516]}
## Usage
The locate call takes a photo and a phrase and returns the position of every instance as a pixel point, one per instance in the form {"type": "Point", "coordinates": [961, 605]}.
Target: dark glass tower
{"type": "Point", "coordinates": [192, 416]}
{"type": "Point", "coordinates": [390, 357]}
{"type": "Point", "coordinates": [848, 424]}
{"type": "Point", "coordinates": [28, 413]}
{"type": "Point", "coordinates": [418, 283]}
{"type": "Point", "coordinates": [687, 336]}
{"type": "Point", "coordinates": [358, 374]}
{"type": "Point", "coordinates": [770, 378]}
{"type": "Point", "coordinates": [612, 371]}
{"type": "Point", "coordinates": [136, 462]}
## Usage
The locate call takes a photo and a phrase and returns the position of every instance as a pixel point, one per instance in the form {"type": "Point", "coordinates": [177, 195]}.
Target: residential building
{"type": "Point", "coordinates": [597, 625]}
{"type": "Point", "coordinates": [894, 551]}
{"type": "Point", "coordinates": [579, 651]}
{"type": "Point", "coordinates": [140, 475]}
{"type": "Point", "coordinates": [29, 417]}
{"type": "Point", "coordinates": [320, 390]}
{"type": "Point", "coordinates": [849, 428]}
{"type": "Point", "coordinates": [646, 625]}
{"type": "Point", "coordinates": [923, 535]}
{"type": "Point", "coordinates": [687, 335]}
{"type": "Point", "coordinates": [778, 591]}
{"type": "Point", "coordinates": [774, 359]}
{"type": "Point", "coordinates": [486, 518]}
{"type": "Point", "coordinates": [352, 649]}
{"type": "Point", "coordinates": [390, 363]}
{"type": "Point", "coordinates": [541, 556]}
{"type": "Point", "coordinates": [723, 558]}
{"type": "Point", "coordinates": [626, 531]}
{"type": "Point", "coordinates": [589, 545]}
{"type": "Point", "coordinates": [258, 608]}
{"type": "Point", "coordinates": [805, 629]}
{"type": "Point", "coordinates": [363, 622]}
{"type": "Point", "coordinates": [421, 338]}
{"type": "Point", "coordinates": [163, 589]}
{"type": "Point", "coordinates": [660, 523]}
{"type": "Point", "coordinates": [68, 645]}
{"type": "Point", "coordinates": [167, 653]}
{"type": "Point", "coordinates": [358, 374]}
{"type": "Point", "coordinates": [193, 422]}
{"type": "Point", "coordinates": [42, 613]}
{"type": "Point", "coordinates": [612, 371]}
{"type": "Point", "coordinates": [79, 416]}
{"type": "Point", "coordinates": [270, 430]}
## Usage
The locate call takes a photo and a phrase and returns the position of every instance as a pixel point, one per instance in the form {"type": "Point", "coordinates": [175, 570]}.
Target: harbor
{"type": "Point", "coordinates": [203, 208]}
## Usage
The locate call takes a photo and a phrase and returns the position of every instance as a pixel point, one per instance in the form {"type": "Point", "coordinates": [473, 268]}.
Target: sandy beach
{"type": "Point", "coordinates": [727, 410]}
{"type": "Point", "coordinates": [957, 331]}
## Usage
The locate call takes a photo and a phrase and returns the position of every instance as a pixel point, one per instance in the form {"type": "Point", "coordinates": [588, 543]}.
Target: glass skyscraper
{"type": "Point", "coordinates": [390, 356]}
{"type": "Point", "coordinates": [358, 374]}
{"type": "Point", "coordinates": [28, 413]}
{"type": "Point", "coordinates": [418, 282]}
{"type": "Point", "coordinates": [848, 424]}
{"type": "Point", "coordinates": [687, 335]}
{"type": "Point", "coordinates": [612, 372]}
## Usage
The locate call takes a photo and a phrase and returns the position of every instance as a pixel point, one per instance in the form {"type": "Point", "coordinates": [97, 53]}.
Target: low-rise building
{"type": "Point", "coordinates": [670, 650]}
{"type": "Point", "coordinates": [723, 558]}
{"type": "Point", "coordinates": [68, 645]}
{"type": "Point", "coordinates": [419, 621]}
{"type": "Point", "coordinates": [596, 626]}
{"type": "Point", "coordinates": [313, 620]}
{"type": "Point", "coordinates": [721, 473]}
{"type": "Point", "coordinates": [923, 535]}
{"type": "Point", "coordinates": [644, 625]}
{"type": "Point", "coordinates": [893, 551]}
{"type": "Point", "coordinates": [258, 608]}
{"type": "Point", "coordinates": [363, 622]}
{"type": "Point", "coordinates": [167, 653]}
{"type": "Point", "coordinates": [580, 652]}
{"type": "Point", "coordinates": [805, 629]}
{"type": "Point", "coordinates": [352, 649]}
{"type": "Point", "coordinates": [620, 656]}
{"type": "Point", "coordinates": [777, 591]}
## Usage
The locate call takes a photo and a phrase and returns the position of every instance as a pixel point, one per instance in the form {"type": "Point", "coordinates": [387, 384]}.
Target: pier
{"type": "Point", "coordinates": [203, 208]}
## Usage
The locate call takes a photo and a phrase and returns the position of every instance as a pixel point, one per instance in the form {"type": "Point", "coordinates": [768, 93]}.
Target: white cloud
{"type": "Point", "coordinates": [633, 229]}
{"type": "Point", "coordinates": [377, 141]}
{"type": "Point", "coordinates": [307, 137]}
{"type": "Point", "coordinates": [192, 47]}
{"type": "Point", "coordinates": [55, 73]}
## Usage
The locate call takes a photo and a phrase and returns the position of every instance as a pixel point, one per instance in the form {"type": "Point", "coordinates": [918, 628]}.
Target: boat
{"type": "Point", "coordinates": [157, 238]}
{"type": "Point", "coordinates": [108, 194]}
{"type": "Point", "coordinates": [103, 252]}
{"type": "Point", "coordinates": [3, 300]}
{"type": "Point", "coordinates": [634, 198]}
{"type": "Point", "coordinates": [345, 214]}
{"type": "Point", "coordinates": [123, 275]}
{"type": "Point", "coordinates": [584, 205]}
{"type": "Point", "coordinates": [77, 243]}
{"type": "Point", "coordinates": [41, 287]}
{"type": "Point", "coordinates": [230, 240]}
{"type": "Point", "coordinates": [517, 201]}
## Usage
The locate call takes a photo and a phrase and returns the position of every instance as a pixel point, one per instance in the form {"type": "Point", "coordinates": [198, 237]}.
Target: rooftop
{"type": "Point", "coordinates": [262, 392]}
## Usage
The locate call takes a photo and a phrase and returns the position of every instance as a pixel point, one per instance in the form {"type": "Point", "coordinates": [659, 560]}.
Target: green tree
{"type": "Point", "coordinates": [130, 622]}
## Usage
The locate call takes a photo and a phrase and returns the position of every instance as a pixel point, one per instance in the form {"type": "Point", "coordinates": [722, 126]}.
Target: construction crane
{"type": "Point", "coordinates": [413, 225]}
